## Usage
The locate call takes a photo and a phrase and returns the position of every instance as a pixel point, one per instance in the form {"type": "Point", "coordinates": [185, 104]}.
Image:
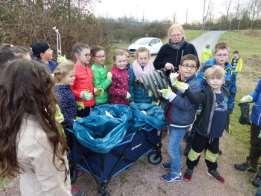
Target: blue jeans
{"type": "Point", "coordinates": [174, 149]}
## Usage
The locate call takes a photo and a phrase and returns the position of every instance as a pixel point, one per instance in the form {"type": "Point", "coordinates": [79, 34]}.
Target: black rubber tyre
{"type": "Point", "coordinates": [154, 157]}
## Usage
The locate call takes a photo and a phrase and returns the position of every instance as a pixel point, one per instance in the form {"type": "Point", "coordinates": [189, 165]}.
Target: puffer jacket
{"type": "Point", "coordinates": [83, 81]}
{"type": "Point", "coordinates": [171, 53]}
{"type": "Point", "coordinates": [181, 112]}
{"type": "Point", "coordinates": [101, 81]}
{"type": "Point", "coordinates": [119, 86]}
{"type": "Point", "coordinates": [256, 109]}
{"type": "Point", "coordinates": [230, 81]}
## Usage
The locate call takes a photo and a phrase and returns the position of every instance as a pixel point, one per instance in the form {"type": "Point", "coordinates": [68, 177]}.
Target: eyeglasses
{"type": "Point", "coordinates": [191, 66]}
{"type": "Point", "coordinates": [222, 55]}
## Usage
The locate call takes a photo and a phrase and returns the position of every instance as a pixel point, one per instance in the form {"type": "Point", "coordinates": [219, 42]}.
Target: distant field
{"type": "Point", "coordinates": [249, 46]}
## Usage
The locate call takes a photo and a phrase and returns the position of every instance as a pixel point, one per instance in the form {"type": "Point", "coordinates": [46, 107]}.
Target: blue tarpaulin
{"type": "Point", "coordinates": [104, 128]}
{"type": "Point", "coordinates": [147, 116]}
{"type": "Point", "coordinates": [107, 124]}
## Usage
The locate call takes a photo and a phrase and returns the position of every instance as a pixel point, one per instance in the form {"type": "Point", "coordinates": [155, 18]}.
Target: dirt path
{"type": "Point", "coordinates": [143, 179]}
{"type": "Point", "coordinates": [210, 37]}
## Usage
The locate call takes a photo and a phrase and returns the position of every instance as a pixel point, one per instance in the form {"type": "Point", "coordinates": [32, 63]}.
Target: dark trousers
{"type": "Point", "coordinates": [255, 148]}
{"type": "Point", "coordinates": [211, 147]}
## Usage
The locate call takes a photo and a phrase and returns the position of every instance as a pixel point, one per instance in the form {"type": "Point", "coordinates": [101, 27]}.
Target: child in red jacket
{"type": "Point", "coordinates": [82, 87]}
{"type": "Point", "coordinates": [119, 89]}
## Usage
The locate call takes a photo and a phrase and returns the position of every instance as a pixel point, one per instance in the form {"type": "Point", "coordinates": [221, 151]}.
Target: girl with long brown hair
{"type": "Point", "coordinates": [31, 142]}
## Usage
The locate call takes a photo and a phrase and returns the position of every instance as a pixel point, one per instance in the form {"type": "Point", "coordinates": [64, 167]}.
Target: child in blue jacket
{"type": "Point", "coordinates": [255, 140]}
{"type": "Point", "coordinates": [64, 77]}
{"type": "Point", "coordinates": [221, 58]}
{"type": "Point", "coordinates": [181, 114]}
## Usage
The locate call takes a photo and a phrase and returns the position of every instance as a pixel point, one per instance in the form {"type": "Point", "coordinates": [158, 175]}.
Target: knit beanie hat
{"type": "Point", "coordinates": [39, 47]}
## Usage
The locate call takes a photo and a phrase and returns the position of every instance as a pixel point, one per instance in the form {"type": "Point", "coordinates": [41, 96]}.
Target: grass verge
{"type": "Point", "coordinates": [249, 46]}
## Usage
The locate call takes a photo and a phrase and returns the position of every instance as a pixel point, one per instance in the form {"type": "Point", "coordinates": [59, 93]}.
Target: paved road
{"type": "Point", "coordinates": [210, 37]}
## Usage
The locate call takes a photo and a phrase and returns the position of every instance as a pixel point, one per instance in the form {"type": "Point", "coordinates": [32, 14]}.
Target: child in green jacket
{"type": "Point", "coordinates": [101, 76]}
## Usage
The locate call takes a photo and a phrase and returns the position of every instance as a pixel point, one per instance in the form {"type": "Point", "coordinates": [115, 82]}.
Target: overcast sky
{"type": "Point", "coordinates": [158, 9]}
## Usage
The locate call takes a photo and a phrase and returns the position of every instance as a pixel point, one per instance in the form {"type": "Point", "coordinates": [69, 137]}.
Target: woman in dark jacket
{"type": "Point", "coordinates": [170, 54]}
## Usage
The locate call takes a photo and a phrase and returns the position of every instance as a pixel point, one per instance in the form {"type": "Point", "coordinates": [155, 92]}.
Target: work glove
{"type": "Point", "coordinates": [173, 77]}
{"type": "Point", "coordinates": [98, 91]}
{"type": "Point", "coordinates": [246, 99]}
{"type": "Point", "coordinates": [181, 86]}
{"type": "Point", "coordinates": [128, 96]}
{"type": "Point", "coordinates": [109, 75]}
{"type": "Point", "coordinates": [86, 95]}
{"type": "Point", "coordinates": [61, 59]}
{"type": "Point", "coordinates": [80, 105]}
{"type": "Point", "coordinates": [167, 94]}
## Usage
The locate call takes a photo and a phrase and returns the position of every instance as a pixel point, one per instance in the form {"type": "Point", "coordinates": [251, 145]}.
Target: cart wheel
{"type": "Point", "coordinates": [103, 190]}
{"type": "Point", "coordinates": [105, 193]}
{"type": "Point", "coordinates": [154, 157]}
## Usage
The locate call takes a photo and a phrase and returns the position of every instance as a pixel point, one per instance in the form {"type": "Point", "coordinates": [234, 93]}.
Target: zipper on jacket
{"type": "Point", "coordinates": [211, 113]}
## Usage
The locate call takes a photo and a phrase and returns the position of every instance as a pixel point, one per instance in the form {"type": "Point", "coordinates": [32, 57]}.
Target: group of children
{"type": "Point", "coordinates": [35, 91]}
{"type": "Point", "coordinates": [199, 100]}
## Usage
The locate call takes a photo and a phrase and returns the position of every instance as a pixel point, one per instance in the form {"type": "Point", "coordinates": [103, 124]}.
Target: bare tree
{"type": "Point", "coordinates": [253, 11]}
{"type": "Point", "coordinates": [228, 13]}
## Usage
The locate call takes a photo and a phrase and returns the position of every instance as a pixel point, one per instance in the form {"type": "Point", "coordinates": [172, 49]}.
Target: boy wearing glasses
{"type": "Point", "coordinates": [180, 115]}
{"type": "Point", "coordinates": [221, 58]}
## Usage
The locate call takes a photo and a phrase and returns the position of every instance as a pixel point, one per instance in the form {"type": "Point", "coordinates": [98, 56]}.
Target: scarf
{"type": "Point", "coordinates": [139, 71]}
{"type": "Point", "coordinates": [178, 45]}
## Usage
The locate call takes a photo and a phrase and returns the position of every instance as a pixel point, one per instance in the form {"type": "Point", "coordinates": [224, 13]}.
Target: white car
{"type": "Point", "coordinates": [153, 44]}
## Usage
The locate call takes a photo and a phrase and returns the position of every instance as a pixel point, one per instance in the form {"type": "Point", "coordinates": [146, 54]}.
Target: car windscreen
{"type": "Point", "coordinates": [143, 41]}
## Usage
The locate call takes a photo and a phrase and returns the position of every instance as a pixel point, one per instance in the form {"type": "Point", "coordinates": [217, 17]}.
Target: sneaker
{"type": "Point", "coordinates": [172, 178]}
{"type": "Point", "coordinates": [188, 174]}
{"type": "Point", "coordinates": [256, 181]}
{"type": "Point", "coordinates": [215, 174]}
{"type": "Point", "coordinates": [245, 167]}
{"type": "Point", "coordinates": [166, 165]}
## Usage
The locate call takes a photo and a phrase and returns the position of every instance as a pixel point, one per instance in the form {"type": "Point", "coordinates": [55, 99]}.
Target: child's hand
{"type": "Point", "coordinates": [109, 75]}
{"type": "Point", "coordinates": [128, 96]}
{"type": "Point", "coordinates": [167, 94]}
{"type": "Point", "coordinates": [181, 86]}
{"type": "Point", "coordinates": [246, 99]}
{"type": "Point", "coordinates": [98, 91]}
{"type": "Point", "coordinates": [86, 95]}
{"type": "Point", "coordinates": [173, 77]}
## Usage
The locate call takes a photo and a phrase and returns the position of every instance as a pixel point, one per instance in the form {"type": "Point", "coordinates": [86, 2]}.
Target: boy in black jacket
{"type": "Point", "coordinates": [210, 123]}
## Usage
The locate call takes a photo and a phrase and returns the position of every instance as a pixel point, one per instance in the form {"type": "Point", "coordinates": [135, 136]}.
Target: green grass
{"type": "Point", "coordinates": [247, 42]}
{"type": "Point", "coordinates": [249, 46]}
{"type": "Point", "coordinates": [192, 34]}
